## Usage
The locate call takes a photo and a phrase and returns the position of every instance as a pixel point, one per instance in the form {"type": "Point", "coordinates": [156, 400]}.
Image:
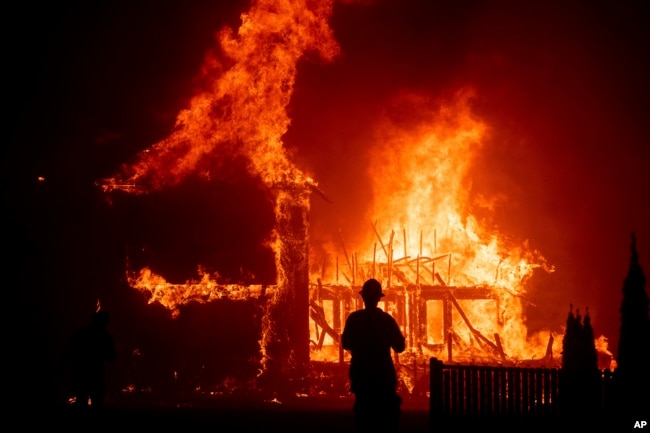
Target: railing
{"type": "Point", "coordinates": [464, 397]}
{"type": "Point", "coordinates": [473, 394]}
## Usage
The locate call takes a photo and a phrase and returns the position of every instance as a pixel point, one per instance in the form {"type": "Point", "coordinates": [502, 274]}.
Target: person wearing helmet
{"type": "Point", "coordinates": [369, 335]}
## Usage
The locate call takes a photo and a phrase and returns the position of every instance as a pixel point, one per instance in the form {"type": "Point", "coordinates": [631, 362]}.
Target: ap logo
{"type": "Point", "coordinates": [640, 424]}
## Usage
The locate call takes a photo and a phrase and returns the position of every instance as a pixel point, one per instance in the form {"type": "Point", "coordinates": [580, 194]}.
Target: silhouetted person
{"type": "Point", "coordinates": [89, 350]}
{"type": "Point", "coordinates": [369, 334]}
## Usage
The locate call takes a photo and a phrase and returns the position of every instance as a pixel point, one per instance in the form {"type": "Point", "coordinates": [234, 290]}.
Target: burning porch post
{"type": "Point", "coordinates": [285, 339]}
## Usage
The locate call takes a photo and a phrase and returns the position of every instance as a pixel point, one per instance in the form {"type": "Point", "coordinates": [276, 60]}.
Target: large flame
{"type": "Point", "coordinates": [241, 113]}
{"type": "Point", "coordinates": [243, 110]}
{"type": "Point", "coordinates": [419, 172]}
{"type": "Point", "coordinates": [420, 184]}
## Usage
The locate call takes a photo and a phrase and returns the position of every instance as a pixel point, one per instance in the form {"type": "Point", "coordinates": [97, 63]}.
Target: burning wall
{"type": "Point", "coordinates": [242, 113]}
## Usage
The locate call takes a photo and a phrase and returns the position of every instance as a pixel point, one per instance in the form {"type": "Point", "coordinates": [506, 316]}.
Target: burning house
{"type": "Point", "coordinates": [457, 290]}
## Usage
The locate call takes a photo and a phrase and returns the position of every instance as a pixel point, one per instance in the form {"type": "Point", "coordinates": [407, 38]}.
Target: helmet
{"type": "Point", "coordinates": [371, 289]}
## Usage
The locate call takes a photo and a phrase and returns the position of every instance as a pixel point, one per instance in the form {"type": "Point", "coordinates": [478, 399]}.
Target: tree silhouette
{"type": "Point", "coordinates": [579, 376]}
{"type": "Point", "coordinates": [632, 374]}
{"type": "Point", "coordinates": [578, 344]}
{"type": "Point", "coordinates": [589, 352]}
{"type": "Point", "coordinates": [570, 342]}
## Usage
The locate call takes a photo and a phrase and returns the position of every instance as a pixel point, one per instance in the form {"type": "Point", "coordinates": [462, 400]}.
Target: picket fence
{"type": "Point", "coordinates": [476, 393]}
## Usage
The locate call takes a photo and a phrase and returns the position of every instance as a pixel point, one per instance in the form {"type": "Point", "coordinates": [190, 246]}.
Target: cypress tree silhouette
{"type": "Point", "coordinates": [580, 377]}
{"type": "Point", "coordinates": [570, 342]}
{"type": "Point", "coordinates": [590, 353]}
{"type": "Point", "coordinates": [632, 374]}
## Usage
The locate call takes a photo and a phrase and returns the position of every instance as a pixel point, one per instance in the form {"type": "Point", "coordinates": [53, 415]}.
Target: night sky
{"type": "Point", "coordinates": [563, 87]}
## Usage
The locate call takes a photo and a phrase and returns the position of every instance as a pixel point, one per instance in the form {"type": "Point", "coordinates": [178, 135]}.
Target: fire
{"type": "Point", "coordinates": [420, 184]}
{"type": "Point", "coordinates": [242, 112]}
{"type": "Point", "coordinates": [419, 212]}
{"type": "Point", "coordinates": [427, 237]}
{"type": "Point", "coordinates": [205, 289]}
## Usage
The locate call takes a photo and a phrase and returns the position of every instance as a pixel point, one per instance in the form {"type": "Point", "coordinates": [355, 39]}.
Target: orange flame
{"type": "Point", "coordinates": [205, 289]}
{"type": "Point", "coordinates": [419, 169]}
{"type": "Point", "coordinates": [421, 184]}
{"type": "Point", "coordinates": [243, 112]}
{"type": "Point", "coordinates": [419, 172]}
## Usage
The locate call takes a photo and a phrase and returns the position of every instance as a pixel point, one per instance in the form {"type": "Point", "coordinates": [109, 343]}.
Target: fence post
{"type": "Point", "coordinates": [436, 414]}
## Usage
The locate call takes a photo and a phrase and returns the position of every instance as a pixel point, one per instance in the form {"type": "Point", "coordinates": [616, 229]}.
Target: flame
{"type": "Point", "coordinates": [605, 356]}
{"type": "Point", "coordinates": [419, 175]}
{"type": "Point", "coordinates": [242, 115]}
{"type": "Point", "coordinates": [243, 110]}
{"type": "Point", "coordinates": [205, 289]}
{"type": "Point", "coordinates": [421, 201]}
{"type": "Point", "coordinates": [421, 184]}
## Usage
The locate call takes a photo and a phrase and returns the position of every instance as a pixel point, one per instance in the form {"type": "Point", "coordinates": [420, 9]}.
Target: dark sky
{"type": "Point", "coordinates": [563, 87]}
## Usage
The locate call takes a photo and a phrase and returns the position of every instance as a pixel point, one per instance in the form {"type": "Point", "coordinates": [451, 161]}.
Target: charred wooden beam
{"type": "Point", "coordinates": [439, 292]}
{"type": "Point", "coordinates": [381, 242]}
{"type": "Point", "coordinates": [347, 258]}
{"type": "Point", "coordinates": [400, 276]}
{"type": "Point", "coordinates": [475, 332]}
{"type": "Point", "coordinates": [497, 338]}
{"type": "Point", "coordinates": [390, 259]}
{"type": "Point", "coordinates": [317, 314]}
{"type": "Point", "coordinates": [549, 348]}
{"type": "Point", "coordinates": [285, 340]}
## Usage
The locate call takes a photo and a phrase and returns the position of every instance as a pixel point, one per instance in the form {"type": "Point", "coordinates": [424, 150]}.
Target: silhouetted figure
{"type": "Point", "coordinates": [369, 334]}
{"type": "Point", "coordinates": [89, 350]}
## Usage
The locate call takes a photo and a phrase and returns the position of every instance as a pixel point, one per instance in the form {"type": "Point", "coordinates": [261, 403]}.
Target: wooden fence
{"type": "Point", "coordinates": [471, 394]}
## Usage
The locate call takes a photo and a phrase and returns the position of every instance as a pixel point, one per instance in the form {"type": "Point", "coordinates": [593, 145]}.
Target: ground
{"type": "Point", "coordinates": [309, 414]}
